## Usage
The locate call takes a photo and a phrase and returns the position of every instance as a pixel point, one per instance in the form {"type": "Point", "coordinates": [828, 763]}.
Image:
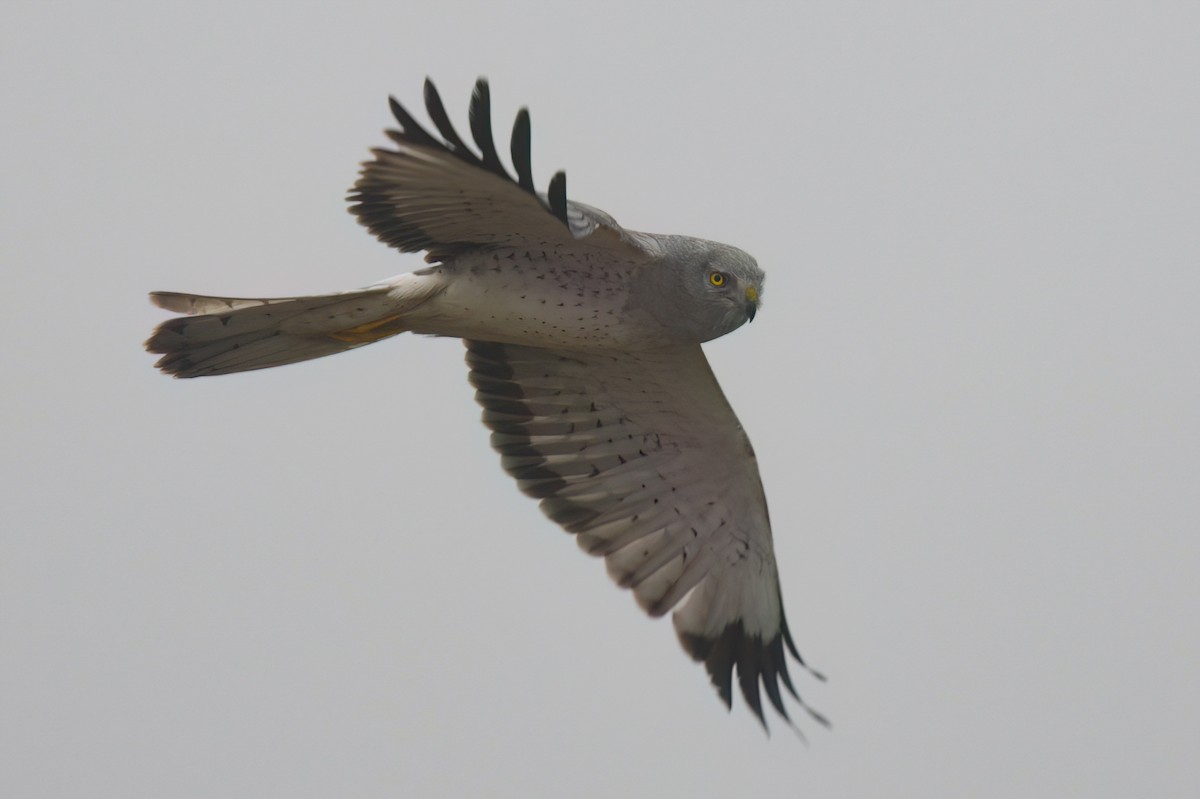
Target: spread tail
{"type": "Point", "coordinates": [221, 335]}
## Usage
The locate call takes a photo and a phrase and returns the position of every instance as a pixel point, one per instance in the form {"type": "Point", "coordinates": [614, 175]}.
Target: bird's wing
{"type": "Point", "coordinates": [439, 195]}
{"type": "Point", "coordinates": [640, 455]}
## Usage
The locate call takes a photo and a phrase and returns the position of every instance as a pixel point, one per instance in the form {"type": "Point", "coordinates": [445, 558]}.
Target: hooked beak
{"type": "Point", "coordinates": [751, 303]}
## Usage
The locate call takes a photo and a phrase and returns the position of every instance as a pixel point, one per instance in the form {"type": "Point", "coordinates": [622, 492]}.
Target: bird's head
{"type": "Point", "coordinates": [706, 289]}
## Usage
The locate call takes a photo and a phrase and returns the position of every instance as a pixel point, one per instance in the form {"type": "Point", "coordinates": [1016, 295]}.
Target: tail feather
{"type": "Point", "coordinates": [193, 304]}
{"type": "Point", "coordinates": [222, 335]}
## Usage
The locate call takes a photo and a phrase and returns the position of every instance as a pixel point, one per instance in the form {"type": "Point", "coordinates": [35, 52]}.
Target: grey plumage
{"type": "Point", "coordinates": [583, 343]}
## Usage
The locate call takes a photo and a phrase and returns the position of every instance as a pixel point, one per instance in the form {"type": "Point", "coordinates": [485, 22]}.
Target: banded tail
{"type": "Point", "coordinates": [222, 335]}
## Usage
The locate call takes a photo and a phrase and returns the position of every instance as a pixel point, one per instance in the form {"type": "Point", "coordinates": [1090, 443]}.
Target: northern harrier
{"type": "Point", "coordinates": [583, 342]}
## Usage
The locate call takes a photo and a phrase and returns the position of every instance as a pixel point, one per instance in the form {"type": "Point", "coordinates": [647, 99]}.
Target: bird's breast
{"type": "Point", "coordinates": [535, 299]}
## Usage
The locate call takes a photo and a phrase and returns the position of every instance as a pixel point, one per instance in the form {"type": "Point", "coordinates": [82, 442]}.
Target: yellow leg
{"type": "Point", "coordinates": [370, 331]}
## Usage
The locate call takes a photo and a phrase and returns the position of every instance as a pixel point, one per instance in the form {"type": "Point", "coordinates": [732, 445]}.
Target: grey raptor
{"type": "Point", "coordinates": [583, 342]}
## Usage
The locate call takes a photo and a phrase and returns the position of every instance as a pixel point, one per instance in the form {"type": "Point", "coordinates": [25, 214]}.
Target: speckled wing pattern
{"type": "Point", "coordinates": [442, 197]}
{"type": "Point", "coordinates": [640, 455]}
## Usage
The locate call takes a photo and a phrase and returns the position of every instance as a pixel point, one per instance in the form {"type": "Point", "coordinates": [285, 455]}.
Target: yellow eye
{"type": "Point", "coordinates": [717, 278]}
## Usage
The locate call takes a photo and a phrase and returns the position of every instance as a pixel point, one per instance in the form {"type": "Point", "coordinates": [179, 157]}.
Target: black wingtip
{"type": "Point", "coordinates": [441, 120]}
{"type": "Point", "coordinates": [760, 665]}
{"type": "Point", "coordinates": [410, 130]}
{"type": "Point", "coordinates": [397, 110]}
{"type": "Point", "coordinates": [480, 116]}
{"type": "Point", "coordinates": [520, 149]}
{"type": "Point", "coordinates": [558, 197]}
{"type": "Point", "coordinates": [791, 646]}
{"type": "Point", "coordinates": [748, 681]}
{"type": "Point", "coordinates": [372, 200]}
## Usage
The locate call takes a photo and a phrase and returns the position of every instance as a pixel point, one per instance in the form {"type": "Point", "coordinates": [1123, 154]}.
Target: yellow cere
{"type": "Point", "coordinates": [752, 294]}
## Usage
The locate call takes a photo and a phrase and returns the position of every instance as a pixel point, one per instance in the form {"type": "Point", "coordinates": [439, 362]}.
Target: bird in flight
{"type": "Point", "coordinates": [583, 344]}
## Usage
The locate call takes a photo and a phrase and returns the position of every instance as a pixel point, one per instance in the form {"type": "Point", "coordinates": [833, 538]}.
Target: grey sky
{"type": "Point", "coordinates": [973, 389]}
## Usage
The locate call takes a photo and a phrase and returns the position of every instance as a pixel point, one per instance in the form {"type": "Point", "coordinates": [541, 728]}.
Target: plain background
{"type": "Point", "coordinates": [973, 388]}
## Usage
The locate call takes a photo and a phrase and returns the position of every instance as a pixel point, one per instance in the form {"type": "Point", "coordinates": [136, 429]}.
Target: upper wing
{"type": "Point", "coordinates": [440, 196]}
{"type": "Point", "coordinates": [640, 455]}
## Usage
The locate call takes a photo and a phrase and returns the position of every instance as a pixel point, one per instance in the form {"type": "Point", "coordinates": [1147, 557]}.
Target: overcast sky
{"type": "Point", "coordinates": [973, 389]}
